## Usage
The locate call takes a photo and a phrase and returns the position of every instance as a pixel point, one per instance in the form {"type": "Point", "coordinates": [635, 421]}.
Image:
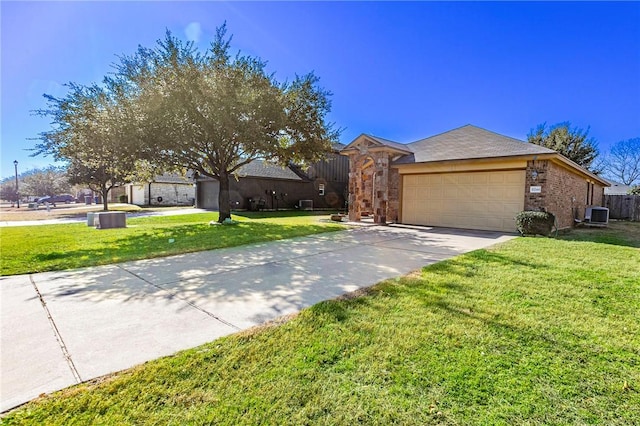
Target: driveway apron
{"type": "Point", "coordinates": [63, 328]}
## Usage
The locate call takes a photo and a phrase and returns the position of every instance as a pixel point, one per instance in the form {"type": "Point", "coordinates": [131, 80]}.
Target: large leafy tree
{"type": "Point", "coordinates": [8, 190]}
{"type": "Point", "coordinates": [94, 130]}
{"type": "Point", "coordinates": [212, 112]}
{"type": "Point", "coordinates": [623, 162]}
{"type": "Point", "coordinates": [574, 143]}
{"type": "Point", "coordinates": [47, 181]}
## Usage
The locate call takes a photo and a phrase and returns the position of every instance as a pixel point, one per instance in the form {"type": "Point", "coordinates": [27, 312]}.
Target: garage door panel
{"type": "Point", "coordinates": [513, 192]}
{"type": "Point", "coordinates": [514, 178]}
{"type": "Point", "coordinates": [495, 223]}
{"type": "Point", "coordinates": [496, 178]}
{"type": "Point", "coordinates": [464, 178]}
{"type": "Point", "coordinates": [434, 179]}
{"type": "Point", "coordinates": [479, 179]}
{"type": "Point", "coordinates": [436, 192]}
{"type": "Point", "coordinates": [410, 193]}
{"type": "Point", "coordinates": [474, 200]}
{"type": "Point", "coordinates": [449, 179]}
{"type": "Point", "coordinates": [463, 192]}
{"type": "Point", "coordinates": [496, 195]}
{"type": "Point", "coordinates": [480, 192]}
{"type": "Point", "coordinates": [511, 208]}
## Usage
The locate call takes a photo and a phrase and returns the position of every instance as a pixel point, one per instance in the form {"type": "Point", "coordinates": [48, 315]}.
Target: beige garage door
{"type": "Point", "coordinates": [471, 200]}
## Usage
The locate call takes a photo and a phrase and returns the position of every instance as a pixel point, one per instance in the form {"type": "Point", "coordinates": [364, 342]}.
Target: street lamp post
{"type": "Point", "coordinates": [15, 163]}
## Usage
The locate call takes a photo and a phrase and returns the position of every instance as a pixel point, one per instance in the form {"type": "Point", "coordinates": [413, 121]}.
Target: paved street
{"type": "Point", "coordinates": [62, 328]}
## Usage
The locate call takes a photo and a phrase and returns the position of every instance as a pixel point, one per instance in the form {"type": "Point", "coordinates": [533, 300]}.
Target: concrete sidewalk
{"type": "Point", "coordinates": [62, 328]}
{"type": "Point", "coordinates": [130, 215]}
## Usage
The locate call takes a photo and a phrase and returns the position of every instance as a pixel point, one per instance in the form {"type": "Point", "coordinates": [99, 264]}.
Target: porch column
{"type": "Point", "coordinates": [381, 188]}
{"type": "Point", "coordinates": [355, 183]}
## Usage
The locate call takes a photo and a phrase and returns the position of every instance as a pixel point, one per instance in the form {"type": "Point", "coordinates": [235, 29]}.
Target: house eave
{"type": "Point", "coordinates": [374, 146]}
{"type": "Point", "coordinates": [471, 160]}
{"type": "Point", "coordinates": [554, 157]}
{"type": "Point", "coordinates": [567, 163]}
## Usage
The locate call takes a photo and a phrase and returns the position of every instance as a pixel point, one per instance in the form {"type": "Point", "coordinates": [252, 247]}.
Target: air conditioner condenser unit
{"type": "Point", "coordinates": [597, 215]}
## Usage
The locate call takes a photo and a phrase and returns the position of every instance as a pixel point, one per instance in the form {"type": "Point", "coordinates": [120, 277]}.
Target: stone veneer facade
{"type": "Point", "coordinates": [563, 193]}
{"type": "Point", "coordinates": [376, 189]}
{"type": "Point", "coordinates": [369, 186]}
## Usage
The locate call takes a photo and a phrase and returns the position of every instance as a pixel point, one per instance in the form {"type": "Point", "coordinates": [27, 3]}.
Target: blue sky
{"type": "Point", "coordinates": [402, 71]}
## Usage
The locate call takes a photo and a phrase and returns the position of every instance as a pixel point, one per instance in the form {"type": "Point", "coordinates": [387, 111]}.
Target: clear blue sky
{"type": "Point", "coordinates": [402, 71]}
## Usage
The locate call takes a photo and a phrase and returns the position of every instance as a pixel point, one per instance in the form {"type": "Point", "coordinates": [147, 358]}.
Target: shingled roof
{"type": "Point", "coordinates": [172, 178]}
{"type": "Point", "coordinates": [468, 142]}
{"type": "Point", "coordinates": [263, 169]}
{"type": "Point", "coordinates": [387, 142]}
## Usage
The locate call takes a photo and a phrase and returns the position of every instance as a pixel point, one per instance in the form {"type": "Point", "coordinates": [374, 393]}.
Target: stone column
{"type": "Point", "coordinates": [355, 182]}
{"type": "Point", "coordinates": [393, 204]}
{"type": "Point", "coordinates": [381, 187]}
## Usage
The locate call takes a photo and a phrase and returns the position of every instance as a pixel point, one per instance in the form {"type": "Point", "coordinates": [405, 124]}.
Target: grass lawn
{"type": "Point", "coordinates": [533, 331]}
{"type": "Point", "coordinates": [56, 247]}
{"type": "Point", "coordinates": [66, 211]}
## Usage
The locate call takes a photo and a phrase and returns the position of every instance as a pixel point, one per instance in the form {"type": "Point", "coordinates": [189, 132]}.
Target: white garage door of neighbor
{"type": "Point", "coordinates": [471, 200]}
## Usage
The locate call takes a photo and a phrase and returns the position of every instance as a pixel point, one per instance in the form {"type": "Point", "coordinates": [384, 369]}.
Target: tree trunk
{"type": "Point", "coordinates": [104, 191]}
{"type": "Point", "coordinates": [224, 206]}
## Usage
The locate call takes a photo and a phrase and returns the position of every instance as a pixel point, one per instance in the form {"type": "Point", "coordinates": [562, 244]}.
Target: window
{"type": "Point", "coordinates": [321, 189]}
{"type": "Point", "coordinates": [589, 193]}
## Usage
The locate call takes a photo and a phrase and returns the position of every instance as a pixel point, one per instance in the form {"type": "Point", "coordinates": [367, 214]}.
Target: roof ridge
{"type": "Point", "coordinates": [496, 133]}
{"type": "Point", "coordinates": [442, 133]}
{"type": "Point", "coordinates": [462, 127]}
{"type": "Point", "coordinates": [389, 142]}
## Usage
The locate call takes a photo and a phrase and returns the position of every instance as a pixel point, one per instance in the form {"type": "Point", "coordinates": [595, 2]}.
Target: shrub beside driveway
{"type": "Point", "coordinates": [533, 331]}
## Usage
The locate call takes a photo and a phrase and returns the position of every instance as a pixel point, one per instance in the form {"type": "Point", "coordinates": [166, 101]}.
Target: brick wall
{"type": "Point", "coordinates": [563, 192]}
{"type": "Point", "coordinates": [172, 194]}
{"type": "Point", "coordinates": [598, 196]}
{"type": "Point", "coordinates": [536, 175]}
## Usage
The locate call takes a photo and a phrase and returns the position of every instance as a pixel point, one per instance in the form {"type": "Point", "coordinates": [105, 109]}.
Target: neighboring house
{"type": "Point", "coordinates": [165, 190]}
{"type": "Point", "coordinates": [262, 185]}
{"type": "Point", "coordinates": [616, 188]}
{"type": "Point", "coordinates": [465, 178]}
{"type": "Point", "coordinates": [115, 193]}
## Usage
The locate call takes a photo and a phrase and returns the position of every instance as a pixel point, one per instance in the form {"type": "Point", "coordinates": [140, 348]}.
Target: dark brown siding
{"type": "Point", "coordinates": [334, 169]}
{"type": "Point", "coordinates": [333, 173]}
{"type": "Point", "coordinates": [275, 193]}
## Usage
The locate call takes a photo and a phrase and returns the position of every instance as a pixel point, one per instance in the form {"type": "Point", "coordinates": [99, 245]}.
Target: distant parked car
{"type": "Point", "coordinates": [62, 198]}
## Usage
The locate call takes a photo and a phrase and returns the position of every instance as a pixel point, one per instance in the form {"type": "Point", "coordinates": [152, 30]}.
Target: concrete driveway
{"type": "Point", "coordinates": [63, 328]}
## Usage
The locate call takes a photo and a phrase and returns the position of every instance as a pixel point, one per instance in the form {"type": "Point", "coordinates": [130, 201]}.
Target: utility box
{"type": "Point", "coordinates": [305, 204]}
{"type": "Point", "coordinates": [107, 220]}
{"type": "Point", "coordinates": [91, 218]}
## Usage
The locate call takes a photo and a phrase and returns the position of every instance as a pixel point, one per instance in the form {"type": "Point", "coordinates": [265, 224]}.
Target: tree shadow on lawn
{"type": "Point", "coordinates": [620, 233]}
{"type": "Point", "coordinates": [265, 214]}
{"type": "Point", "coordinates": [340, 308]}
{"type": "Point", "coordinates": [167, 241]}
{"type": "Point", "coordinates": [249, 286]}
{"type": "Point", "coordinates": [562, 336]}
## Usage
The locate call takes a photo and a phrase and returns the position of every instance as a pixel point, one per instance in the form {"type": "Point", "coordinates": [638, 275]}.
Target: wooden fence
{"type": "Point", "coordinates": [623, 206]}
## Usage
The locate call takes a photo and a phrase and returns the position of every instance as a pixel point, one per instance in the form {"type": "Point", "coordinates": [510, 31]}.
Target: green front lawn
{"type": "Point", "coordinates": [535, 331]}
{"type": "Point", "coordinates": [56, 247]}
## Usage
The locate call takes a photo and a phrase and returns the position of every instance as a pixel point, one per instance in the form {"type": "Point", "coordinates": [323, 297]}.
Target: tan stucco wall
{"type": "Point", "coordinates": [462, 166]}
